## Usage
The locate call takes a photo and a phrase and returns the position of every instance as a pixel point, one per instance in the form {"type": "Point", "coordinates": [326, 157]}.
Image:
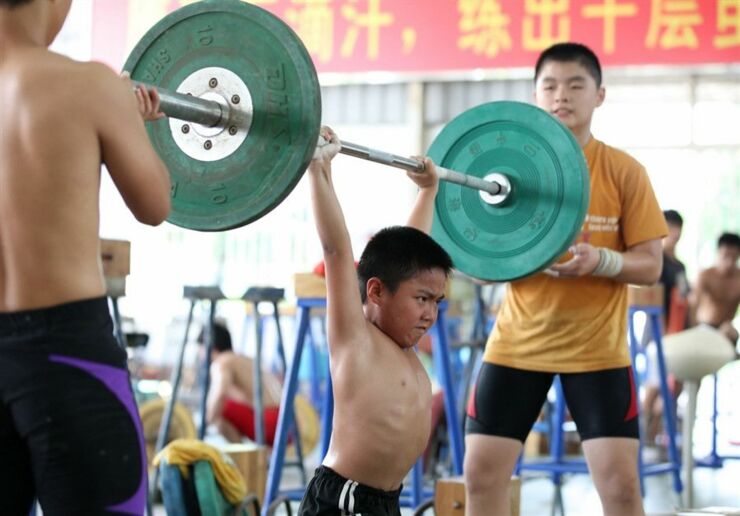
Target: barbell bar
{"type": "Point", "coordinates": [225, 115]}
{"type": "Point", "coordinates": [513, 202]}
{"type": "Point", "coordinates": [190, 108]}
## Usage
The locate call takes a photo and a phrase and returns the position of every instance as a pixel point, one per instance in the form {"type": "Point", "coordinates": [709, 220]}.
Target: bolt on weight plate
{"type": "Point", "coordinates": [276, 69]}
{"type": "Point", "coordinates": [549, 197]}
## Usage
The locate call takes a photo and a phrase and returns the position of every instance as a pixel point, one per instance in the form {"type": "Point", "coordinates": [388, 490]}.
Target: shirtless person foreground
{"type": "Point", "coordinates": [230, 405]}
{"type": "Point", "coordinates": [382, 395]}
{"type": "Point", "coordinates": [69, 430]}
{"type": "Point", "coordinates": [716, 294]}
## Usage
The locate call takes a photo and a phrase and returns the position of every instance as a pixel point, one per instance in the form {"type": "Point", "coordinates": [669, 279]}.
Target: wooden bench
{"type": "Point", "coordinates": [251, 461]}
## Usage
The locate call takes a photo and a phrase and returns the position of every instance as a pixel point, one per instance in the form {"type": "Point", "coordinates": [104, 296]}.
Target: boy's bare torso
{"type": "Point", "coordinates": [49, 181]}
{"type": "Point", "coordinates": [382, 395]}
{"type": "Point", "coordinates": [382, 411]}
{"type": "Point", "coordinates": [719, 299]}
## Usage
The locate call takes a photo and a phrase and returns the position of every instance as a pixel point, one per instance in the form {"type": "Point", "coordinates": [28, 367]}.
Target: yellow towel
{"type": "Point", "coordinates": [184, 452]}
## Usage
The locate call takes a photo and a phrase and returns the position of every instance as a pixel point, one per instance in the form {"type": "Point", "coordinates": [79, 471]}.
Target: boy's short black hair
{"type": "Point", "coordinates": [569, 52]}
{"type": "Point", "coordinates": [673, 217]}
{"type": "Point", "coordinates": [729, 240]}
{"type": "Point", "coordinates": [12, 4]}
{"type": "Point", "coordinates": [398, 253]}
{"type": "Point", "coordinates": [221, 337]}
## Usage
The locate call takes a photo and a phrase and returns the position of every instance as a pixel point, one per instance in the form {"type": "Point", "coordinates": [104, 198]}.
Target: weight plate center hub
{"type": "Point", "coordinates": [215, 143]}
{"type": "Point", "coordinates": [505, 189]}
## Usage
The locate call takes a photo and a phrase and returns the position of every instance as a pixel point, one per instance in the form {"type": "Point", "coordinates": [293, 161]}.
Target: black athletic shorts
{"type": "Point", "coordinates": [330, 494]}
{"type": "Point", "coordinates": [70, 433]}
{"type": "Point", "coordinates": [506, 402]}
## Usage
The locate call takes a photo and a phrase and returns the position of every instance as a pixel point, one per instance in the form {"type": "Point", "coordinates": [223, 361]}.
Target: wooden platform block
{"type": "Point", "coordinates": [449, 496]}
{"type": "Point", "coordinates": [252, 461]}
{"type": "Point", "coordinates": [116, 258]}
{"type": "Point", "coordinates": [309, 285]}
{"type": "Point", "coordinates": [535, 445]}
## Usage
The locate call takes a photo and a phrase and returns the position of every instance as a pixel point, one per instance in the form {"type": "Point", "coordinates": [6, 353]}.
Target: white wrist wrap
{"type": "Point", "coordinates": [610, 263]}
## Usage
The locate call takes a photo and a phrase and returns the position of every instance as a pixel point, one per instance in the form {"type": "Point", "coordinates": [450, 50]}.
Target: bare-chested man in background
{"type": "Point", "coordinates": [716, 294]}
{"type": "Point", "coordinates": [231, 394]}
{"type": "Point", "coordinates": [69, 430]}
{"type": "Point", "coordinates": [382, 394]}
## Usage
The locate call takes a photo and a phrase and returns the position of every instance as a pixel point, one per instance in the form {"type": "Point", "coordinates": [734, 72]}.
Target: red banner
{"type": "Point", "coordinates": [446, 35]}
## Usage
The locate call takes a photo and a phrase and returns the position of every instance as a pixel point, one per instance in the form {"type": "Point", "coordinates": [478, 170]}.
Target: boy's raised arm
{"type": "Point", "coordinates": [422, 213]}
{"type": "Point", "coordinates": [344, 307]}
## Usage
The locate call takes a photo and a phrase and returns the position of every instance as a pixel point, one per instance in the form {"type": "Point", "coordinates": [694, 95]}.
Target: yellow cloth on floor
{"type": "Point", "coordinates": [184, 452]}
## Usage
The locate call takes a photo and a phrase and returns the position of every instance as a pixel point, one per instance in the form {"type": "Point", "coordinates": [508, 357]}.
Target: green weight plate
{"type": "Point", "coordinates": [264, 53]}
{"type": "Point", "coordinates": [549, 196]}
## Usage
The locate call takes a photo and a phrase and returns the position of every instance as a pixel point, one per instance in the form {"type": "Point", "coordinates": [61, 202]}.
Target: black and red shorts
{"type": "Point", "coordinates": [506, 402]}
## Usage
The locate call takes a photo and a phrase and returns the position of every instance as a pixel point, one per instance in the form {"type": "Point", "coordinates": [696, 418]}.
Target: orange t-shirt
{"type": "Point", "coordinates": [568, 325]}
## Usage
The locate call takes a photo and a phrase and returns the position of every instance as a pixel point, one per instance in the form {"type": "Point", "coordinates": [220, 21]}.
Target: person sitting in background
{"type": "Point", "coordinates": [716, 294]}
{"type": "Point", "coordinates": [675, 318]}
{"type": "Point", "coordinates": [230, 402]}
{"type": "Point", "coordinates": [673, 278]}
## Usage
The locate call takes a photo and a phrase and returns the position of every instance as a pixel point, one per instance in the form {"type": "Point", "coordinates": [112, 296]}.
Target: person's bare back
{"type": "Point", "coordinates": [61, 370]}
{"type": "Point", "coordinates": [716, 295]}
{"type": "Point", "coordinates": [719, 296]}
{"type": "Point", "coordinates": [236, 373]}
{"type": "Point", "coordinates": [232, 394]}
{"type": "Point", "coordinates": [61, 119]}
